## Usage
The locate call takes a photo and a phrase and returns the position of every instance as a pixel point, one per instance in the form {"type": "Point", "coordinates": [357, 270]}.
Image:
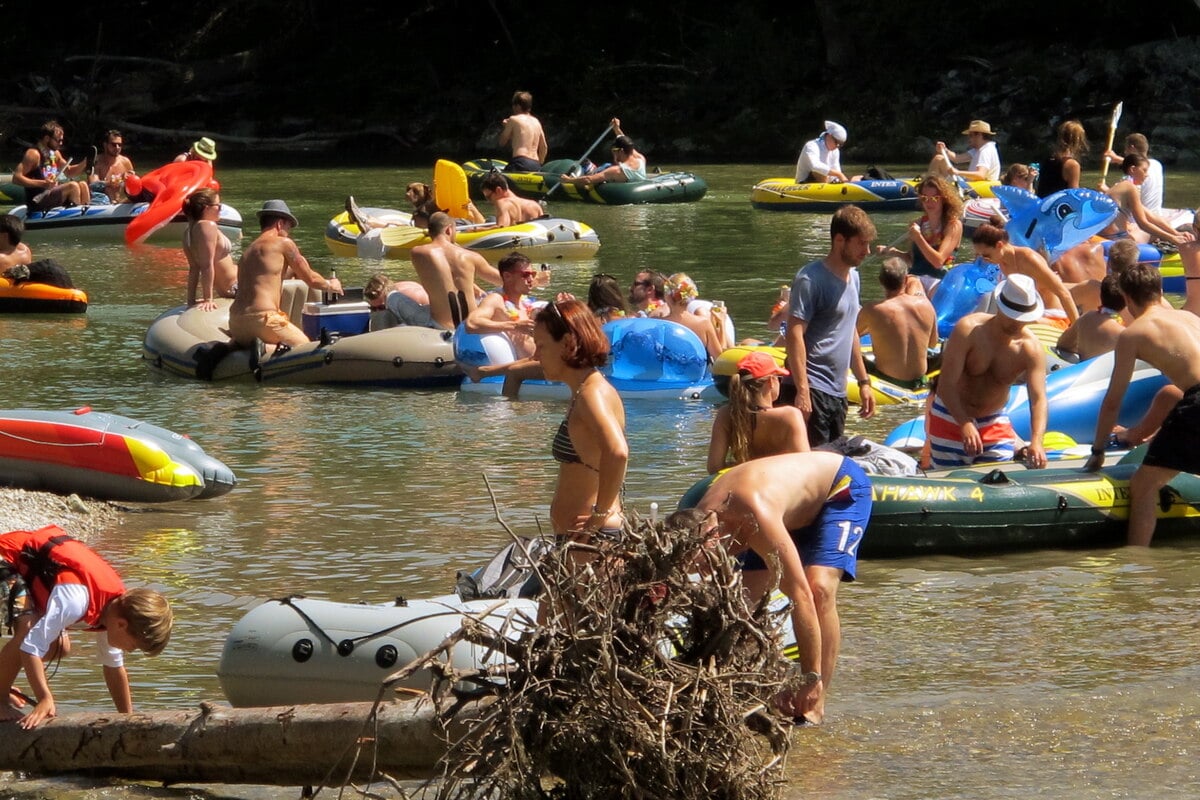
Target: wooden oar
{"type": "Point", "coordinates": [586, 153]}
{"type": "Point", "coordinates": [1112, 132]}
{"type": "Point", "coordinates": [401, 235]}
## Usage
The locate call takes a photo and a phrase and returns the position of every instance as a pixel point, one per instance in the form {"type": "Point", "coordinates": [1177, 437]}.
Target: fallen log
{"type": "Point", "coordinates": [301, 745]}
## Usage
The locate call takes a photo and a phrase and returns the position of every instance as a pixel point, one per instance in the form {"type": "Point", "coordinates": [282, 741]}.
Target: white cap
{"type": "Point", "coordinates": [836, 131]}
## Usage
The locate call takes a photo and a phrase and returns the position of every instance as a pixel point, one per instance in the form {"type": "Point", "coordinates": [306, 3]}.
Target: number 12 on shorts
{"type": "Point", "coordinates": [851, 537]}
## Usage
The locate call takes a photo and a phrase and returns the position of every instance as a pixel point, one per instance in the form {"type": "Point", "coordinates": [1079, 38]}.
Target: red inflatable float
{"type": "Point", "coordinates": [171, 184]}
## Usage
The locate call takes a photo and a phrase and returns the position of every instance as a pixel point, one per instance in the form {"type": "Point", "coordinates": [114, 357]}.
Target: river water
{"type": "Point", "coordinates": [1068, 673]}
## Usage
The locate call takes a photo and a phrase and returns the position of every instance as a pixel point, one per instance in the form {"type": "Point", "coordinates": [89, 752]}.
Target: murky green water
{"type": "Point", "coordinates": [1068, 673]}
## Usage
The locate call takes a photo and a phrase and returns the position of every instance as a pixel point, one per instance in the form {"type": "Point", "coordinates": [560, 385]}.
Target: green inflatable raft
{"type": "Point", "coordinates": [969, 512]}
{"type": "Point", "coordinates": [666, 187]}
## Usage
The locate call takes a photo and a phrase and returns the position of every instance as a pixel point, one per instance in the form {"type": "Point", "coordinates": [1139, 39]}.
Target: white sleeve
{"type": "Point", "coordinates": [66, 605]}
{"type": "Point", "coordinates": [1152, 187]}
{"type": "Point", "coordinates": [106, 654]}
{"type": "Point", "coordinates": [810, 163]}
{"type": "Point", "coordinates": [989, 161]}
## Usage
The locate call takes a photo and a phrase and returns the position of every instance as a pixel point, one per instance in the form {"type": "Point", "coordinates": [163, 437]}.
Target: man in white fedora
{"type": "Point", "coordinates": [821, 159]}
{"type": "Point", "coordinates": [984, 356]}
{"type": "Point", "coordinates": [982, 157]}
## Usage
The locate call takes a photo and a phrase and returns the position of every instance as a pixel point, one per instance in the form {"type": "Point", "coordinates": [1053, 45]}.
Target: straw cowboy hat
{"type": "Point", "coordinates": [979, 126]}
{"type": "Point", "coordinates": [1017, 298]}
{"type": "Point", "coordinates": [206, 148]}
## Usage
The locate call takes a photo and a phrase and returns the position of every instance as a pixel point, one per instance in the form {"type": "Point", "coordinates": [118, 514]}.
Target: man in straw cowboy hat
{"type": "Point", "coordinates": [821, 158]}
{"type": "Point", "coordinates": [982, 156]}
{"type": "Point", "coordinates": [203, 149]}
{"type": "Point", "coordinates": [983, 358]}
{"type": "Point", "coordinates": [255, 313]}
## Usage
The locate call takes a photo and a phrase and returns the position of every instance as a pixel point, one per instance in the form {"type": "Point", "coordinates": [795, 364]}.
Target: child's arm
{"type": "Point", "coordinates": [35, 673]}
{"type": "Point", "coordinates": [117, 681]}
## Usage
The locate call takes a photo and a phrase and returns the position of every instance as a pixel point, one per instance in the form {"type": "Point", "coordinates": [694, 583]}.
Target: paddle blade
{"type": "Point", "coordinates": [401, 235]}
{"type": "Point", "coordinates": [1116, 117]}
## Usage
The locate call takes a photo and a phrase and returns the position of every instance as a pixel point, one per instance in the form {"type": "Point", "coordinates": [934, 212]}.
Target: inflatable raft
{"type": "Point", "coordinates": [665, 187]}
{"type": "Point", "coordinates": [40, 298]}
{"type": "Point", "coordinates": [191, 343]}
{"type": "Point", "coordinates": [105, 456]}
{"type": "Point", "coordinates": [784, 194]}
{"type": "Point", "coordinates": [652, 359]}
{"type": "Point", "coordinates": [109, 223]}
{"type": "Point", "coordinates": [546, 239]}
{"type": "Point", "coordinates": [971, 512]}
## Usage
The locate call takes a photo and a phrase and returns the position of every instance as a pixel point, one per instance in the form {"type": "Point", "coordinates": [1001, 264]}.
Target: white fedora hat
{"type": "Point", "coordinates": [1018, 298]}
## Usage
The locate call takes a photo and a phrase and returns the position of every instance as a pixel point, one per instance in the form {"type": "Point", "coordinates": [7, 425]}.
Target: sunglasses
{"type": "Point", "coordinates": [643, 283]}
{"type": "Point", "coordinates": [930, 198]}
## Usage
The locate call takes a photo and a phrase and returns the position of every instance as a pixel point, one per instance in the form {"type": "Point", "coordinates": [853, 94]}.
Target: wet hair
{"type": "Point", "coordinates": [624, 143]}
{"type": "Point", "coordinates": [49, 128]}
{"type": "Point", "coordinates": [378, 287]}
{"type": "Point", "coordinates": [1133, 160]}
{"type": "Point", "coordinates": [494, 180]}
{"type": "Point", "coordinates": [572, 323]}
{"type": "Point", "coordinates": [13, 226]}
{"type": "Point", "coordinates": [149, 616]}
{"type": "Point", "coordinates": [197, 201]}
{"type": "Point", "coordinates": [1072, 139]}
{"type": "Point", "coordinates": [1110, 293]}
{"type": "Point", "coordinates": [892, 274]}
{"type": "Point", "coordinates": [513, 261]}
{"type": "Point", "coordinates": [952, 203]}
{"type": "Point", "coordinates": [523, 101]}
{"type": "Point", "coordinates": [989, 234]}
{"type": "Point", "coordinates": [1139, 143]}
{"type": "Point", "coordinates": [849, 222]}
{"type": "Point", "coordinates": [1016, 172]}
{"type": "Point", "coordinates": [744, 392]}
{"type": "Point", "coordinates": [1141, 284]}
{"type": "Point", "coordinates": [1122, 254]}
{"type": "Point", "coordinates": [604, 295]}
{"type": "Point", "coordinates": [438, 222]}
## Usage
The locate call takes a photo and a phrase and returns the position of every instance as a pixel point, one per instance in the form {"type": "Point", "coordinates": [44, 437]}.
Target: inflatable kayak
{"type": "Point", "coordinates": [191, 343]}
{"type": "Point", "coordinates": [109, 223]}
{"type": "Point", "coordinates": [546, 239]}
{"type": "Point", "coordinates": [664, 187]}
{"type": "Point", "coordinates": [970, 512]}
{"type": "Point", "coordinates": [105, 456]}
{"type": "Point", "coordinates": [886, 392]}
{"type": "Point", "coordinates": [784, 194]}
{"type": "Point", "coordinates": [40, 298]}
{"type": "Point", "coordinates": [652, 359]}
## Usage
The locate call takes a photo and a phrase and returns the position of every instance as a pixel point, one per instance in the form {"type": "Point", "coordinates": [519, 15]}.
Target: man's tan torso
{"type": "Point", "coordinates": [993, 363]}
{"type": "Point", "coordinates": [444, 268]}
{"type": "Point", "coordinates": [524, 134]}
{"type": "Point", "coordinates": [901, 328]}
{"type": "Point", "coordinates": [260, 273]}
{"type": "Point", "coordinates": [1170, 340]}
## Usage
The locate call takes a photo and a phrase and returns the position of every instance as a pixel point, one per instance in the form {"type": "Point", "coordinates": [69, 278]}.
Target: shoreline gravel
{"type": "Point", "coordinates": [25, 510]}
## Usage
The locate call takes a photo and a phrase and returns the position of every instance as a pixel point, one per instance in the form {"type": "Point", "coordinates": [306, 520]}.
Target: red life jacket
{"type": "Point", "coordinates": [47, 557]}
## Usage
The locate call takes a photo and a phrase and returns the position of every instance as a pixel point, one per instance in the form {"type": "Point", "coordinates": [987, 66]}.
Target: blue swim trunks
{"type": "Point", "coordinates": [833, 538]}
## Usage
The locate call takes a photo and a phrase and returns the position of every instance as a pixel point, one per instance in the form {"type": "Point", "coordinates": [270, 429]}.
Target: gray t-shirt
{"type": "Point", "coordinates": [829, 307]}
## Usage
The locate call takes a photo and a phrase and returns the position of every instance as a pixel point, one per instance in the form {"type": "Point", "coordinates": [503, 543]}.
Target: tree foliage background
{"type": "Point", "coordinates": [742, 81]}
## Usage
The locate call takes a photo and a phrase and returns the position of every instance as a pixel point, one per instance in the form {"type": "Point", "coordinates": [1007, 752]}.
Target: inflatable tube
{"type": "Point", "coordinates": [105, 456]}
{"type": "Point", "coordinates": [1056, 223]}
{"type": "Point", "coordinates": [177, 181]}
{"type": "Point", "coordinates": [40, 298]}
{"type": "Point", "coordinates": [450, 188]}
{"type": "Point", "coordinates": [961, 290]}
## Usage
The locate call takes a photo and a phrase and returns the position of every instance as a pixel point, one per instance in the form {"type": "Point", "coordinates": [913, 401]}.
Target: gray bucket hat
{"type": "Point", "coordinates": [276, 208]}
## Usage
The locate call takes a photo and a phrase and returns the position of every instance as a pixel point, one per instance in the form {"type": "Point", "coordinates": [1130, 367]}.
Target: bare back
{"type": "Point", "coordinates": [523, 132]}
{"type": "Point", "coordinates": [445, 270]}
{"type": "Point", "coordinates": [982, 362]}
{"type": "Point", "coordinates": [1168, 339]}
{"type": "Point", "coordinates": [260, 272]}
{"type": "Point", "coordinates": [755, 491]}
{"type": "Point", "coordinates": [513, 210]}
{"type": "Point", "coordinates": [902, 328]}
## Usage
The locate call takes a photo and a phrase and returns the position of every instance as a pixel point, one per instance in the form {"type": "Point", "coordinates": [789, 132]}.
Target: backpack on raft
{"type": "Point", "coordinates": [878, 173]}
{"type": "Point", "coordinates": [46, 271]}
{"type": "Point", "coordinates": [510, 573]}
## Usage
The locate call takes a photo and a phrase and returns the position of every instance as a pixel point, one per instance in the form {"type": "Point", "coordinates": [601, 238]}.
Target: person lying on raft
{"type": "Point", "coordinates": [984, 356]}
{"type": "Point", "coordinates": [509, 311]}
{"type": "Point", "coordinates": [424, 206]}
{"type": "Point", "coordinates": [903, 328]}
{"type": "Point", "coordinates": [1134, 220]}
{"type": "Point", "coordinates": [992, 244]}
{"type": "Point", "coordinates": [750, 425]}
{"type": "Point", "coordinates": [630, 166]}
{"type": "Point", "coordinates": [406, 302]}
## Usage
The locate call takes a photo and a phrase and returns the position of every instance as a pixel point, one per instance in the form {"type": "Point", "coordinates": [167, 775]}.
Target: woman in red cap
{"type": "Point", "coordinates": [750, 425]}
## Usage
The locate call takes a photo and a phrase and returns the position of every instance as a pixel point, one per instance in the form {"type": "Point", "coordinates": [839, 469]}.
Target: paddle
{"type": "Point", "coordinates": [889, 246]}
{"type": "Point", "coordinates": [1112, 132]}
{"type": "Point", "coordinates": [401, 235]}
{"type": "Point", "coordinates": [586, 153]}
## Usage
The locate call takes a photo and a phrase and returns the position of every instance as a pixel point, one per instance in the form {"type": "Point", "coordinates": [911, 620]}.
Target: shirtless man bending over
{"type": "Point", "coordinates": [448, 272]}
{"type": "Point", "coordinates": [255, 313]}
{"type": "Point", "coordinates": [1169, 340]}
{"type": "Point", "coordinates": [993, 245]}
{"type": "Point", "coordinates": [902, 327]}
{"type": "Point", "coordinates": [510, 208]}
{"type": "Point", "coordinates": [523, 132]}
{"type": "Point", "coordinates": [984, 356]}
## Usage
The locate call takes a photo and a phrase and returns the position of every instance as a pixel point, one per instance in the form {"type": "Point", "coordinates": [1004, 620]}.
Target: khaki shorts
{"type": "Point", "coordinates": [273, 327]}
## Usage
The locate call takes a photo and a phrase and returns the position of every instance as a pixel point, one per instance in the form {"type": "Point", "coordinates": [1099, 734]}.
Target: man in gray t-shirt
{"type": "Point", "coordinates": [822, 340]}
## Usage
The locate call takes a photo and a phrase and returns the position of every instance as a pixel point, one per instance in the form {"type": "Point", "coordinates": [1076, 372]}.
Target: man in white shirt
{"type": "Point", "coordinates": [1152, 186]}
{"type": "Point", "coordinates": [821, 159]}
{"type": "Point", "coordinates": [982, 156]}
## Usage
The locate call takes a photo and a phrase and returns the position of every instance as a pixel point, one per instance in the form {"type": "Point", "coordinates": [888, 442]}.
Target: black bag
{"type": "Point", "coordinates": [46, 270]}
{"type": "Point", "coordinates": [878, 173]}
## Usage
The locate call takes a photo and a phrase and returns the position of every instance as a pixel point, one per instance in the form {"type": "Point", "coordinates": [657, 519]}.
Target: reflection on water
{"type": "Point", "coordinates": [1041, 673]}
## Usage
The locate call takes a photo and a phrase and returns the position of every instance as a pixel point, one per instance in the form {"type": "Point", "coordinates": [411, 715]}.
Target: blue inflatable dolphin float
{"type": "Point", "coordinates": [1056, 223]}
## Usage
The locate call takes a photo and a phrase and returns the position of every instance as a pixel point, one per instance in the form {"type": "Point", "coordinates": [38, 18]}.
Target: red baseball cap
{"type": "Point", "coordinates": [759, 365]}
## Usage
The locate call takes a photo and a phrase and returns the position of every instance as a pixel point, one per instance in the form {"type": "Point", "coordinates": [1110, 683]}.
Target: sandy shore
{"type": "Point", "coordinates": [22, 510]}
